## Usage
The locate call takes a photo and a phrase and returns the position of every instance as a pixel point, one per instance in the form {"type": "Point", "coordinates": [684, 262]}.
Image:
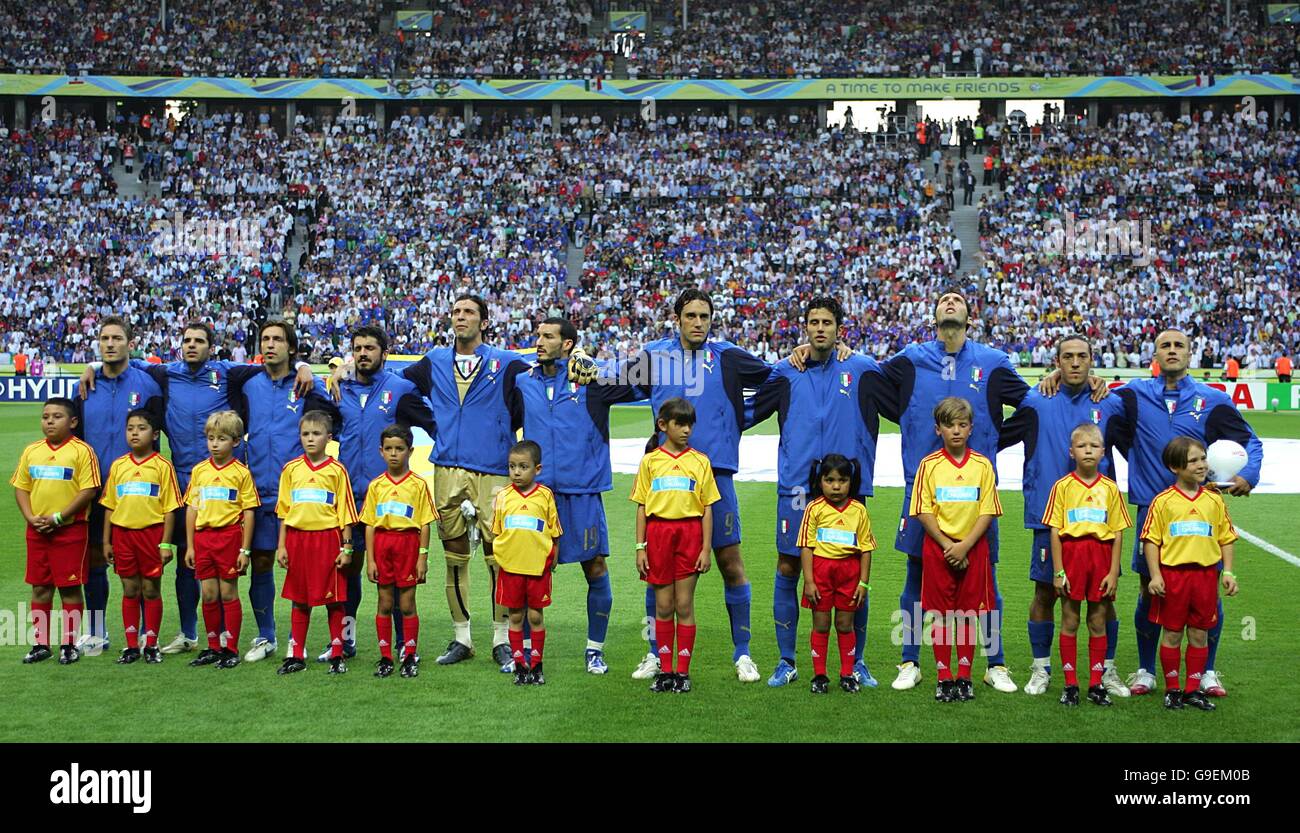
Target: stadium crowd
{"type": "Point", "coordinates": [560, 39]}
{"type": "Point", "coordinates": [1211, 203]}
{"type": "Point", "coordinates": [763, 214]}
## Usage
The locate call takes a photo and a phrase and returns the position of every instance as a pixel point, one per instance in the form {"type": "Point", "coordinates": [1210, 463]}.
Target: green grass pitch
{"type": "Point", "coordinates": [96, 700]}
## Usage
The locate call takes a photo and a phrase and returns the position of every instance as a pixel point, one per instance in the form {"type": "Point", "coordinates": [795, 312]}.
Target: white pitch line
{"type": "Point", "coordinates": [1270, 548]}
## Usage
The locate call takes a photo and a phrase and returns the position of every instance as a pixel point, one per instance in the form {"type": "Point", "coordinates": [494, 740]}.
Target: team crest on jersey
{"type": "Point", "coordinates": [1199, 404]}
{"type": "Point", "coordinates": [846, 379]}
{"type": "Point", "coordinates": [785, 526]}
{"type": "Point", "coordinates": [494, 365]}
{"type": "Point", "coordinates": [573, 386]}
{"type": "Point", "coordinates": [977, 374]}
{"type": "Point", "coordinates": [213, 379]}
{"type": "Point", "coordinates": [386, 398]}
{"type": "Point", "coordinates": [1095, 416]}
{"type": "Point", "coordinates": [1172, 405]}
{"type": "Point", "coordinates": [708, 360]}
{"type": "Point", "coordinates": [133, 400]}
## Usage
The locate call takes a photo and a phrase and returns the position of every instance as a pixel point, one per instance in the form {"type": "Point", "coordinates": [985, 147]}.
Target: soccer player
{"type": "Point", "coordinates": [397, 511]}
{"type": "Point", "coordinates": [526, 524]}
{"type": "Point", "coordinates": [570, 422]}
{"type": "Point", "coordinates": [955, 500]}
{"type": "Point", "coordinates": [469, 386]}
{"type": "Point", "coordinates": [54, 483]}
{"type": "Point", "coordinates": [1086, 518]}
{"type": "Point", "coordinates": [315, 539]}
{"type": "Point", "coordinates": [1046, 424]}
{"type": "Point", "coordinates": [221, 505]}
{"type": "Point", "coordinates": [271, 407]}
{"type": "Point", "coordinates": [835, 546]}
{"type": "Point", "coordinates": [193, 389]}
{"type": "Point", "coordinates": [917, 379]}
{"type": "Point", "coordinates": [370, 402]}
{"type": "Point", "coordinates": [712, 376]}
{"type": "Point", "coordinates": [1187, 541]}
{"type": "Point", "coordinates": [831, 404]}
{"type": "Point", "coordinates": [119, 389]}
{"type": "Point", "coordinates": [140, 501]}
{"type": "Point", "coordinates": [1155, 411]}
{"type": "Point", "coordinates": [675, 493]}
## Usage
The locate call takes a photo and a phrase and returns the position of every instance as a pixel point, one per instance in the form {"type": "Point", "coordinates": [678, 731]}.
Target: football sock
{"type": "Point", "coordinates": [234, 613]}
{"type": "Point", "coordinates": [1169, 662]}
{"type": "Point", "coordinates": [600, 601]}
{"type": "Point", "coordinates": [848, 654]}
{"type": "Point", "coordinates": [1096, 659]}
{"type": "Point", "coordinates": [131, 621]}
{"type": "Point", "coordinates": [1148, 634]}
{"type": "Point", "coordinates": [1040, 642]}
{"type": "Point", "coordinates": [187, 600]}
{"type": "Point", "coordinates": [335, 614]}
{"type": "Point", "coordinates": [686, 646]}
{"type": "Point", "coordinates": [968, 637]}
{"type": "Point", "coordinates": [820, 643]}
{"type": "Point", "coordinates": [1196, 658]}
{"type": "Point", "coordinates": [664, 639]}
{"type": "Point", "coordinates": [909, 605]}
{"type": "Point", "coordinates": [650, 617]}
{"type": "Point", "coordinates": [458, 597]}
{"type": "Point", "coordinates": [73, 613]}
{"type": "Point", "coordinates": [942, 650]}
{"type": "Point", "coordinates": [384, 630]}
{"type": "Point", "coordinates": [860, 629]}
{"type": "Point", "coordinates": [539, 641]}
{"type": "Point", "coordinates": [399, 627]}
{"type": "Point", "coordinates": [991, 624]}
{"type": "Point", "coordinates": [1112, 638]}
{"type": "Point", "coordinates": [41, 613]}
{"type": "Point", "coordinates": [1213, 644]}
{"type": "Point", "coordinates": [410, 635]}
{"type": "Point", "coordinates": [517, 648]}
{"type": "Point", "coordinates": [738, 603]}
{"type": "Point", "coordinates": [261, 597]}
{"type": "Point", "coordinates": [354, 601]}
{"type": "Point", "coordinates": [97, 601]}
{"type": "Point", "coordinates": [1070, 657]}
{"type": "Point", "coordinates": [153, 609]}
{"type": "Point", "coordinates": [785, 613]}
{"type": "Point", "coordinates": [212, 624]}
{"type": "Point", "coordinates": [299, 620]}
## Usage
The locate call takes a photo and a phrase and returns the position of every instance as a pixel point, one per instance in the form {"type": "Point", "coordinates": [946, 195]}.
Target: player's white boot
{"type": "Point", "coordinates": [1211, 685]}
{"type": "Point", "coordinates": [1039, 680]}
{"type": "Point", "coordinates": [1110, 680]}
{"type": "Point", "coordinates": [1142, 682]}
{"type": "Point", "coordinates": [647, 669]}
{"type": "Point", "coordinates": [262, 649]}
{"type": "Point", "coordinates": [909, 674]}
{"type": "Point", "coordinates": [1000, 678]}
{"type": "Point", "coordinates": [746, 670]}
{"type": "Point", "coordinates": [182, 644]}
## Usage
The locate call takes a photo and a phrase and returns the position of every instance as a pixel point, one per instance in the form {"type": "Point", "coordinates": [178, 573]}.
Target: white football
{"type": "Point", "coordinates": [1225, 458]}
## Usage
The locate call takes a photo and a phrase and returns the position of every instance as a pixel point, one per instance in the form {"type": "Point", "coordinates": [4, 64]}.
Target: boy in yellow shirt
{"type": "Point", "coordinates": [955, 499]}
{"type": "Point", "coordinates": [317, 511]}
{"type": "Point", "coordinates": [1186, 535]}
{"type": "Point", "coordinates": [54, 484]}
{"type": "Point", "coordinates": [219, 533]}
{"type": "Point", "coordinates": [140, 495]}
{"type": "Point", "coordinates": [526, 524]}
{"type": "Point", "coordinates": [397, 513]}
{"type": "Point", "coordinates": [1086, 517]}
